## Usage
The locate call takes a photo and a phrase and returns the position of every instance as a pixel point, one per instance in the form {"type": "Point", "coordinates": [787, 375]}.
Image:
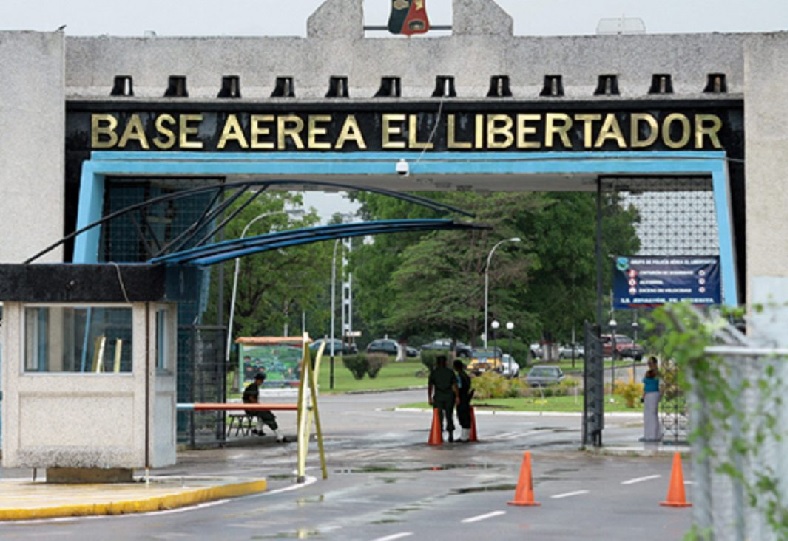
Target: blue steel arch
{"type": "Point", "coordinates": [236, 189]}
{"type": "Point", "coordinates": [212, 254]}
{"type": "Point", "coordinates": [434, 164]}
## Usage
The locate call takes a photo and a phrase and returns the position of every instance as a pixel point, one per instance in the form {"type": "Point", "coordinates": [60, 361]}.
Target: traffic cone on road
{"type": "Point", "coordinates": [436, 436]}
{"type": "Point", "coordinates": [524, 494]}
{"type": "Point", "coordinates": [676, 496]}
{"type": "Point", "coordinates": [472, 436]}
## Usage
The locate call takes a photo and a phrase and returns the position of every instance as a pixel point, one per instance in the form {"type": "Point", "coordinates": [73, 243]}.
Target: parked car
{"type": "Point", "coordinates": [535, 350]}
{"type": "Point", "coordinates": [462, 350]}
{"type": "Point", "coordinates": [568, 350]}
{"type": "Point", "coordinates": [339, 347]}
{"type": "Point", "coordinates": [410, 351]}
{"type": "Point", "coordinates": [625, 347]}
{"type": "Point", "coordinates": [509, 366]}
{"type": "Point", "coordinates": [542, 376]}
{"type": "Point", "coordinates": [383, 345]}
{"type": "Point", "coordinates": [485, 360]}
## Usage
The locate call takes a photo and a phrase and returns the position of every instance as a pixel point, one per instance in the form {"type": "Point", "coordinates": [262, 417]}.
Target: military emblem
{"type": "Point", "coordinates": [408, 17]}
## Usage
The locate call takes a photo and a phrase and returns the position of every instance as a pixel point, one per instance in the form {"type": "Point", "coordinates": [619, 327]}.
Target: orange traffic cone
{"type": "Point", "coordinates": [524, 494]}
{"type": "Point", "coordinates": [436, 434]}
{"type": "Point", "coordinates": [472, 436]}
{"type": "Point", "coordinates": [676, 496]}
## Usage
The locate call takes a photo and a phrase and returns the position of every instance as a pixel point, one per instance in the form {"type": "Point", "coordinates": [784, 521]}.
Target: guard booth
{"type": "Point", "coordinates": [89, 376]}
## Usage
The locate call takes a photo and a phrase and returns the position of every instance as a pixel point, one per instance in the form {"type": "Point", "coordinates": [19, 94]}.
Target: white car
{"type": "Point", "coordinates": [510, 368]}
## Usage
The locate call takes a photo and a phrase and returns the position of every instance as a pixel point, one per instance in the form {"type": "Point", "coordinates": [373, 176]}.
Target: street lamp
{"type": "Point", "coordinates": [612, 324]}
{"type": "Point", "coordinates": [487, 281]}
{"type": "Point", "coordinates": [510, 328]}
{"type": "Point", "coordinates": [494, 325]}
{"type": "Point", "coordinates": [239, 377]}
{"type": "Point", "coordinates": [333, 309]}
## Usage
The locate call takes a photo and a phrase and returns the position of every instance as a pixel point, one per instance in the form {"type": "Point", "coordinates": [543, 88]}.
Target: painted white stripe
{"type": "Point", "coordinates": [483, 517]}
{"type": "Point", "coordinates": [640, 479]}
{"type": "Point", "coordinates": [308, 480]}
{"type": "Point", "coordinates": [568, 494]}
{"type": "Point", "coordinates": [393, 537]}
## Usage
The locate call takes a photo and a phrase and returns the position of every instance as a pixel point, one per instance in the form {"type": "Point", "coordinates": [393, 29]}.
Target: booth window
{"type": "Point", "coordinates": [90, 339]}
{"type": "Point", "coordinates": [163, 341]}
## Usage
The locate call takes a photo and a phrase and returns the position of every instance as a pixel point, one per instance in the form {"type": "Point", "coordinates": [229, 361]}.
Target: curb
{"type": "Point", "coordinates": [181, 498]}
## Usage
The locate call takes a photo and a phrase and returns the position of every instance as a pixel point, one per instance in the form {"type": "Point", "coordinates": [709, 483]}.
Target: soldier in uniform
{"type": "Point", "coordinates": [264, 417]}
{"type": "Point", "coordinates": [465, 394]}
{"type": "Point", "coordinates": [442, 393]}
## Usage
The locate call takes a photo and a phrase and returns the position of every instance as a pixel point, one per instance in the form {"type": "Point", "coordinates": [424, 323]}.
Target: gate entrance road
{"type": "Point", "coordinates": [385, 483]}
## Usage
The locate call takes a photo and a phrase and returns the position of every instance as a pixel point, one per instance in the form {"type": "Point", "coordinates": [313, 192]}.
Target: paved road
{"type": "Point", "coordinates": [384, 483]}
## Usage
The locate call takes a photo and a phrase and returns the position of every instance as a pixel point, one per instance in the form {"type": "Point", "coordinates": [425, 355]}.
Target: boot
{"type": "Point", "coordinates": [451, 436]}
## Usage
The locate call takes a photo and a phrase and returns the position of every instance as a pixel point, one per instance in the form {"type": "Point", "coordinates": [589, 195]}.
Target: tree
{"type": "Point", "coordinates": [274, 287]}
{"type": "Point", "coordinates": [431, 284]}
{"type": "Point", "coordinates": [563, 285]}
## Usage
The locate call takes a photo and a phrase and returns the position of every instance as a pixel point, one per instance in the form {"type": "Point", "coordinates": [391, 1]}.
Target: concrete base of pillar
{"type": "Point", "coordinates": [89, 475]}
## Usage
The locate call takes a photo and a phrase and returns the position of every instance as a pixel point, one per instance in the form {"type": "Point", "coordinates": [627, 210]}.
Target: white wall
{"type": "Point", "coordinates": [32, 128]}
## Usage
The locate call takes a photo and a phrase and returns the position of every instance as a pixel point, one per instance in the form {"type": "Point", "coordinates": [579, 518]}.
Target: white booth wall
{"type": "Point", "coordinates": [92, 419]}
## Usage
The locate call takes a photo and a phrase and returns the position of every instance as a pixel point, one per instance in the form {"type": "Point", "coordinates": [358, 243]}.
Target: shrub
{"type": "Point", "coordinates": [630, 391]}
{"type": "Point", "coordinates": [493, 385]}
{"type": "Point", "coordinates": [428, 357]}
{"type": "Point", "coordinates": [568, 385]}
{"type": "Point", "coordinates": [357, 364]}
{"type": "Point", "coordinates": [375, 362]}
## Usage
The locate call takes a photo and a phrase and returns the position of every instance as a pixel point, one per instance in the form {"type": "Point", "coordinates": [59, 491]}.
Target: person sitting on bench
{"type": "Point", "coordinates": [264, 417]}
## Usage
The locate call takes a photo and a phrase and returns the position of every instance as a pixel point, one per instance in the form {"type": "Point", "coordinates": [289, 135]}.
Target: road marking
{"type": "Point", "coordinates": [483, 517]}
{"type": "Point", "coordinates": [640, 479]}
{"type": "Point", "coordinates": [393, 537]}
{"type": "Point", "coordinates": [308, 480]}
{"type": "Point", "coordinates": [568, 494]}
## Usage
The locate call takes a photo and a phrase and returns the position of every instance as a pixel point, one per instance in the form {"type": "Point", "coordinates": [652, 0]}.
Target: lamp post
{"type": "Point", "coordinates": [487, 281]}
{"type": "Point", "coordinates": [612, 324]}
{"type": "Point", "coordinates": [239, 376]}
{"type": "Point", "coordinates": [635, 341]}
{"type": "Point", "coordinates": [510, 328]}
{"type": "Point", "coordinates": [333, 310]}
{"type": "Point", "coordinates": [494, 325]}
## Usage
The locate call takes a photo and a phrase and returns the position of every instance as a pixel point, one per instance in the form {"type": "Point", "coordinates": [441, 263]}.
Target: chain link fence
{"type": "Point", "coordinates": [739, 444]}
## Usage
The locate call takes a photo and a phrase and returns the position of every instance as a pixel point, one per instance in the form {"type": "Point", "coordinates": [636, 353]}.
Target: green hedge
{"type": "Point", "coordinates": [364, 364]}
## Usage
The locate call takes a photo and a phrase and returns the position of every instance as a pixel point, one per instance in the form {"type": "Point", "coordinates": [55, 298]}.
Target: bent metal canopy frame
{"type": "Point", "coordinates": [225, 194]}
{"type": "Point", "coordinates": [224, 251]}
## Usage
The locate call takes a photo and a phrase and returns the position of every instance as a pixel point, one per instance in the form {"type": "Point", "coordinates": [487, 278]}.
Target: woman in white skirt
{"type": "Point", "coordinates": [652, 431]}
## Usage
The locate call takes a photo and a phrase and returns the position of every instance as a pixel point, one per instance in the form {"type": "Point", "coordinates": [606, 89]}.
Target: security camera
{"type": "Point", "coordinates": [403, 169]}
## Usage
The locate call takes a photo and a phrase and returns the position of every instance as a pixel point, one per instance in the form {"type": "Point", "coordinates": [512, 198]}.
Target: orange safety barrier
{"type": "Point", "coordinates": [436, 434]}
{"type": "Point", "coordinates": [524, 494]}
{"type": "Point", "coordinates": [473, 437]}
{"type": "Point", "coordinates": [676, 497]}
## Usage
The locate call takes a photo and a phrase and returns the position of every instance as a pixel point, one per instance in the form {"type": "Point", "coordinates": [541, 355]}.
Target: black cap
{"type": "Point", "coordinates": [259, 375]}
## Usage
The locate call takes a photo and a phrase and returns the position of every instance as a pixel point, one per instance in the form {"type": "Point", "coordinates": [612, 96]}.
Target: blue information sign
{"type": "Point", "coordinates": [650, 281]}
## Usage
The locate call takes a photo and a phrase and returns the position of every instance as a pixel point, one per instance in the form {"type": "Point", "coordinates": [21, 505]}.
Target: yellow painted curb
{"type": "Point", "coordinates": [183, 498]}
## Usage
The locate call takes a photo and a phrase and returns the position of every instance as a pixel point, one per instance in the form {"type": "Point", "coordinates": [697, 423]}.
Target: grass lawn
{"type": "Point", "coordinates": [413, 374]}
{"type": "Point", "coordinates": [561, 404]}
{"type": "Point", "coordinates": [394, 375]}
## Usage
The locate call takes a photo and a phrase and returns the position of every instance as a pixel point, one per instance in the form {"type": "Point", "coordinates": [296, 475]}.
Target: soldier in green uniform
{"type": "Point", "coordinates": [264, 417]}
{"type": "Point", "coordinates": [442, 393]}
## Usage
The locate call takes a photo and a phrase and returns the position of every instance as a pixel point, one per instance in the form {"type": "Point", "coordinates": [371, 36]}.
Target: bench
{"type": "Point", "coordinates": [238, 418]}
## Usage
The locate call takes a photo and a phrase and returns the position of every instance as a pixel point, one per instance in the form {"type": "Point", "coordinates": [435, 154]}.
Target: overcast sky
{"type": "Point", "coordinates": [277, 17]}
